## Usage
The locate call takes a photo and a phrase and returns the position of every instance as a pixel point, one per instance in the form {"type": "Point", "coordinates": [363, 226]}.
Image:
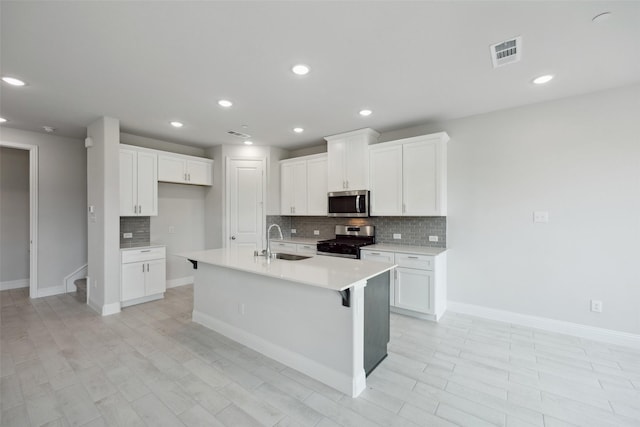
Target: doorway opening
{"type": "Point", "coordinates": [33, 212]}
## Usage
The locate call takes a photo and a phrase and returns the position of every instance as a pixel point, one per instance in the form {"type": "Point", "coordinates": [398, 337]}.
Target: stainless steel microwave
{"type": "Point", "coordinates": [349, 203]}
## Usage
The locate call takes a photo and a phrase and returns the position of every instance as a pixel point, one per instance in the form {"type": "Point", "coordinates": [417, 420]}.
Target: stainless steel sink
{"type": "Point", "coordinates": [289, 257]}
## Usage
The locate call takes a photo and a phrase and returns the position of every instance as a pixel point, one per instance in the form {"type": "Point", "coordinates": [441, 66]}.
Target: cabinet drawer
{"type": "Point", "coordinates": [421, 262]}
{"type": "Point", "coordinates": [377, 256]}
{"type": "Point", "coordinates": [143, 254]}
{"type": "Point", "coordinates": [306, 249]}
{"type": "Point", "coordinates": [277, 246]}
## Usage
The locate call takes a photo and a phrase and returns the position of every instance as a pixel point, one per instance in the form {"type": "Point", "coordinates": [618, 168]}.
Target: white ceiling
{"type": "Point", "coordinates": [147, 63]}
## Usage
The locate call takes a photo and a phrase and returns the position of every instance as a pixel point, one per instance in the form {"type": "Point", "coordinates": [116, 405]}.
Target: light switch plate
{"type": "Point", "coordinates": [127, 235]}
{"type": "Point", "coordinates": [433, 238]}
{"type": "Point", "coordinates": [316, 232]}
{"type": "Point", "coordinates": [294, 231]}
{"type": "Point", "coordinates": [172, 229]}
{"type": "Point", "coordinates": [397, 236]}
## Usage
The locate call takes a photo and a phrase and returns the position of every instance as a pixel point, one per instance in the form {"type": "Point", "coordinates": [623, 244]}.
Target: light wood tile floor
{"type": "Point", "coordinates": [63, 365]}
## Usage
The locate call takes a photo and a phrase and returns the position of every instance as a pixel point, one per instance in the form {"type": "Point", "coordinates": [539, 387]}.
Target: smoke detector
{"type": "Point", "coordinates": [238, 134]}
{"type": "Point", "coordinates": [506, 52]}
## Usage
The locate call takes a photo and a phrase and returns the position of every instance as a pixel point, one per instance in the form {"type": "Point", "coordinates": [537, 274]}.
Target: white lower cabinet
{"type": "Point", "coordinates": [143, 275]}
{"type": "Point", "coordinates": [418, 285]}
{"type": "Point", "coordinates": [306, 249]}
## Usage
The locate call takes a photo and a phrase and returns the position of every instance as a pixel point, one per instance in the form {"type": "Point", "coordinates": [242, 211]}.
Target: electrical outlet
{"type": "Point", "coordinates": [127, 235]}
{"type": "Point", "coordinates": [397, 236]}
{"type": "Point", "coordinates": [433, 238]}
{"type": "Point", "coordinates": [294, 231]}
{"type": "Point", "coordinates": [596, 306]}
{"type": "Point", "coordinates": [541, 216]}
{"type": "Point", "coordinates": [316, 232]}
{"type": "Point", "coordinates": [172, 229]}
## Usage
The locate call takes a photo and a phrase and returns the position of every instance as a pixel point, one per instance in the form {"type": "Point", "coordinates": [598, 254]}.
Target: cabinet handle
{"type": "Point", "coordinates": [135, 208]}
{"type": "Point", "coordinates": [189, 177]}
{"type": "Point", "coordinates": [395, 274]}
{"type": "Point", "coordinates": [147, 267]}
{"type": "Point", "coordinates": [375, 253]}
{"type": "Point", "coordinates": [404, 208]}
{"type": "Point", "coordinates": [143, 268]}
{"type": "Point", "coordinates": [347, 184]}
{"type": "Point", "coordinates": [185, 176]}
{"type": "Point", "coordinates": [412, 257]}
{"type": "Point", "coordinates": [139, 209]}
{"type": "Point", "coordinates": [146, 250]}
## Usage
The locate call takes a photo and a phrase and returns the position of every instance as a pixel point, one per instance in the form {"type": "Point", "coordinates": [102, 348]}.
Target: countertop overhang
{"type": "Point", "coordinates": [337, 274]}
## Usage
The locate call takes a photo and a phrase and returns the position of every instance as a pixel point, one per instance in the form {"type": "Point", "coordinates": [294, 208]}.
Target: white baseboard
{"type": "Point", "coordinates": [181, 281]}
{"type": "Point", "coordinates": [331, 377]}
{"type": "Point", "coordinates": [558, 326]}
{"type": "Point", "coordinates": [142, 300]}
{"type": "Point", "coordinates": [109, 309]}
{"type": "Point", "coordinates": [50, 291]}
{"type": "Point", "coordinates": [14, 284]}
{"type": "Point", "coordinates": [79, 273]}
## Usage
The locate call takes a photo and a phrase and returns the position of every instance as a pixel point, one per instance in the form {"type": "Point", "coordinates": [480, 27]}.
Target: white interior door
{"type": "Point", "coordinates": [245, 198]}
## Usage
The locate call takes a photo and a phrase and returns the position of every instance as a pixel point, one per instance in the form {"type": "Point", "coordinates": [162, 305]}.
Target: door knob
{"type": "Point", "coordinates": [233, 237]}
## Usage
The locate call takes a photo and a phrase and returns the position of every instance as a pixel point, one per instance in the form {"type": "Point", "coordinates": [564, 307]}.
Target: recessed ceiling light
{"type": "Point", "coordinates": [300, 69]}
{"type": "Point", "coordinates": [13, 81]}
{"type": "Point", "coordinates": [543, 79]}
{"type": "Point", "coordinates": [249, 142]}
{"type": "Point", "coordinates": [298, 130]}
{"type": "Point", "coordinates": [365, 113]}
{"type": "Point", "coordinates": [3, 120]}
{"type": "Point", "coordinates": [225, 103]}
{"type": "Point", "coordinates": [176, 124]}
{"type": "Point", "coordinates": [601, 17]}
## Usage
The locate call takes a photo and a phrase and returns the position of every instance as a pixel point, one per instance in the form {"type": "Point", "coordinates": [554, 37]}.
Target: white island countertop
{"type": "Point", "coordinates": [327, 272]}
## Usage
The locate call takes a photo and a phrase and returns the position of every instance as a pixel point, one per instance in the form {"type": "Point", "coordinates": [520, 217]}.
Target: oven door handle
{"type": "Point", "coordinates": [358, 204]}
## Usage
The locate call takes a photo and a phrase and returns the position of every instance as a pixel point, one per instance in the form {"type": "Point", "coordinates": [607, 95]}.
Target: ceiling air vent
{"type": "Point", "coordinates": [506, 52]}
{"type": "Point", "coordinates": [238, 134]}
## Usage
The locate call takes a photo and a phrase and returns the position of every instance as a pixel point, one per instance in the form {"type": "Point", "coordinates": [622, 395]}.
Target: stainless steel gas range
{"type": "Point", "coordinates": [349, 239]}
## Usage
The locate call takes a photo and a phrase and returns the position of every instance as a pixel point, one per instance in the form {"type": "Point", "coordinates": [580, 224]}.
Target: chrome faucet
{"type": "Point", "coordinates": [268, 251]}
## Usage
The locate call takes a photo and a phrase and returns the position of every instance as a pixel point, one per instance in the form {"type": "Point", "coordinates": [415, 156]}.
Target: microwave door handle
{"type": "Point", "coordinates": [358, 204]}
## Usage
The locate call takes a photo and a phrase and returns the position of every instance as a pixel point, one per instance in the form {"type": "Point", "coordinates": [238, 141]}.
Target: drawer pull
{"type": "Point", "coordinates": [375, 253]}
{"type": "Point", "coordinates": [146, 250]}
{"type": "Point", "coordinates": [413, 257]}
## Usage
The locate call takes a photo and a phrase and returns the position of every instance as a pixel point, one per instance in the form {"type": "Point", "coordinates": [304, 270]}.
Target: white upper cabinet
{"type": "Point", "coordinates": [317, 185]}
{"type": "Point", "coordinates": [303, 185]}
{"type": "Point", "coordinates": [409, 176]}
{"type": "Point", "coordinates": [138, 182]}
{"type": "Point", "coordinates": [348, 162]}
{"type": "Point", "coordinates": [293, 188]}
{"type": "Point", "coordinates": [185, 169]}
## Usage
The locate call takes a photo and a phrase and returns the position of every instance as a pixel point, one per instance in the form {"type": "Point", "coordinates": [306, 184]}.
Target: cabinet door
{"type": "Point", "coordinates": [172, 169]}
{"type": "Point", "coordinates": [155, 277]}
{"type": "Point", "coordinates": [286, 189]}
{"type": "Point", "coordinates": [300, 188]}
{"type": "Point", "coordinates": [357, 163]}
{"type": "Point", "coordinates": [317, 187]}
{"type": "Point", "coordinates": [278, 246]}
{"type": "Point", "coordinates": [132, 281]}
{"type": "Point", "coordinates": [421, 178]}
{"type": "Point", "coordinates": [128, 184]}
{"type": "Point", "coordinates": [199, 172]}
{"type": "Point", "coordinates": [147, 184]}
{"type": "Point", "coordinates": [336, 151]}
{"type": "Point", "coordinates": [385, 169]}
{"type": "Point", "coordinates": [414, 290]}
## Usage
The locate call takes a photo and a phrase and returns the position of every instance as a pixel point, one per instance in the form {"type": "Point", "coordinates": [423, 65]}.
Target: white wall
{"type": "Point", "coordinates": [103, 229]}
{"type": "Point", "coordinates": [181, 209]}
{"type": "Point", "coordinates": [62, 198]}
{"type": "Point", "coordinates": [14, 215]}
{"type": "Point", "coordinates": [577, 158]}
{"type": "Point", "coordinates": [157, 144]}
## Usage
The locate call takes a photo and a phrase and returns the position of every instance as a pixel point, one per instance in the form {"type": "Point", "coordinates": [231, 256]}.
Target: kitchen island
{"type": "Point", "coordinates": [323, 316]}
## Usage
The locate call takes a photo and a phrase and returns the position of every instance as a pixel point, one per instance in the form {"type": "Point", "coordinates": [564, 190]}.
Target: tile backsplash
{"type": "Point", "coordinates": [139, 226]}
{"type": "Point", "coordinates": [414, 231]}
